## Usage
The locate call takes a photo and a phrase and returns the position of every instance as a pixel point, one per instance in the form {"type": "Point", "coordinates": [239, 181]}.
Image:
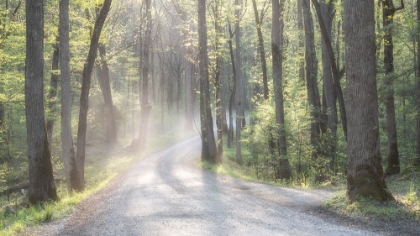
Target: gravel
{"type": "Point", "coordinates": [166, 194]}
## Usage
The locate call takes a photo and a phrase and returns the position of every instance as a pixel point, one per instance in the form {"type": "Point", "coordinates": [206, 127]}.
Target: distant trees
{"type": "Point", "coordinates": [41, 179]}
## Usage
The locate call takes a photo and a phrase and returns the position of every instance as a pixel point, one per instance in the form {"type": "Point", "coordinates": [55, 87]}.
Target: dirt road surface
{"type": "Point", "coordinates": [167, 194]}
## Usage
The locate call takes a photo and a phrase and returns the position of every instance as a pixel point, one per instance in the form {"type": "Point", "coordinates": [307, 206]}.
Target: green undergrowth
{"type": "Point", "coordinates": [247, 172]}
{"type": "Point", "coordinates": [405, 190]}
{"type": "Point", "coordinates": [103, 163]}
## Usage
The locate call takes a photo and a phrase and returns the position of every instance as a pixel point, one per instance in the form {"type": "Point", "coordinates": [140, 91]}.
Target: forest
{"type": "Point", "coordinates": [293, 91]}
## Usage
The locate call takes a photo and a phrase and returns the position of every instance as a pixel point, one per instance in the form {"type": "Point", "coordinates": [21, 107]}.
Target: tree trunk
{"type": "Point", "coordinates": [416, 161]}
{"type": "Point", "coordinates": [334, 67]}
{"type": "Point", "coordinates": [365, 174]}
{"type": "Point", "coordinates": [393, 160]}
{"type": "Point", "coordinates": [208, 150]}
{"type": "Point", "coordinates": [311, 80]}
{"type": "Point", "coordinates": [41, 179]}
{"type": "Point", "coordinates": [327, 10]}
{"type": "Point", "coordinates": [218, 83]}
{"type": "Point", "coordinates": [238, 82]}
{"type": "Point", "coordinates": [233, 91]}
{"type": "Point", "coordinates": [84, 96]}
{"type": "Point", "coordinates": [261, 51]}
{"type": "Point", "coordinates": [67, 150]}
{"type": "Point", "coordinates": [52, 95]}
{"type": "Point", "coordinates": [301, 54]}
{"type": "Point", "coordinates": [104, 83]}
{"type": "Point", "coordinates": [277, 51]}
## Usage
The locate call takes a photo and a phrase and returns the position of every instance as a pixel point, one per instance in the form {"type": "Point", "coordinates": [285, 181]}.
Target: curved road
{"type": "Point", "coordinates": [166, 194]}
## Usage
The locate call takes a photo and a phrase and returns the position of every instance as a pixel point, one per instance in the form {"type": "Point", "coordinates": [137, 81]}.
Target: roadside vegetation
{"type": "Point", "coordinates": [103, 163]}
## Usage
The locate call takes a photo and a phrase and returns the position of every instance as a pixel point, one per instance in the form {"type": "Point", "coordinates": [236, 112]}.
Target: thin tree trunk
{"type": "Point", "coordinates": [311, 80]}
{"type": "Point", "coordinates": [41, 179]}
{"type": "Point", "coordinates": [144, 101]}
{"type": "Point", "coordinates": [327, 10]}
{"type": "Point", "coordinates": [67, 149]}
{"type": "Point", "coordinates": [365, 174]}
{"type": "Point", "coordinates": [393, 160]}
{"type": "Point", "coordinates": [218, 83]}
{"type": "Point", "coordinates": [261, 51]}
{"type": "Point", "coordinates": [238, 81]}
{"type": "Point", "coordinates": [104, 83]}
{"type": "Point", "coordinates": [277, 50]}
{"type": "Point", "coordinates": [233, 91]}
{"type": "Point", "coordinates": [208, 151]}
{"type": "Point", "coordinates": [52, 95]}
{"type": "Point", "coordinates": [84, 96]}
{"type": "Point", "coordinates": [416, 161]}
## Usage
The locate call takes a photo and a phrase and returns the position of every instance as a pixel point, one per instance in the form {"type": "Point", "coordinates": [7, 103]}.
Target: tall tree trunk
{"type": "Point", "coordinates": [145, 105]}
{"type": "Point", "coordinates": [334, 65]}
{"type": "Point", "coordinates": [67, 149]}
{"type": "Point", "coordinates": [301, 54]}
{"type": "Point", "coordinates": [311, 79]}
{"type": "Point", "coordinates": [84, 96]}
{"type": "Point", "coordinates": [208, 149]}
{"type": "Point", "coordinates": [365, 174]}
{"type": "Point", "coordinates": [188, 97]}
{"type": "Point", "coordinates": [218, 82]}
{"type": "Point", "coordinates": [393, 159]}
{"type": "Point", "coordinates": [416, 161]}
{"type": "Point", "coordinates": [327, 10]}
{"type": "Point", "coordinates": [52, 95]}
{"type": "Point", "coordinates": [104, 83]}
{"type": "Point", "coordinates": [233, 91]}
{"type": "Point", "coordinates": [41, 179]}
{"type": "Point", "coordinates": [261, 51]}
{"type": "Point", "coordinates": [238, 81]}
{"type": "Point", "coordinates": [277, 51]}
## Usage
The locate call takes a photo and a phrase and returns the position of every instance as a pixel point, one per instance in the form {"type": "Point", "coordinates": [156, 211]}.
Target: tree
{"type": "Point", "coordinates": [258, 23]}
{"type": "Point", "coordinates": [145, 105]}
{"type": "Point", "coordinates": [416, 161]}
{"type": "Point", "coordinates": [277, 51]}
{"type": "Point", "coordinates": [208, 149]}
{"type": "Point", "coordinates": [41, 179]}
{"type": "Point", "coordinates": [67, 150]}
{"type": "Point", "coordinates": [311, 80]}
{"type": "Point", "coordinates": [393, 160]}
{"type": "Point", "coordinates": [218, 81]}
{"type": "Point", "coordinates": [84, 96]}
{"type": "Point", "coordinates": [238, 82]}
{"type": "Point", "coordinates": [104, 83]}
{"type": "Point", "coordinates": [365, 174]}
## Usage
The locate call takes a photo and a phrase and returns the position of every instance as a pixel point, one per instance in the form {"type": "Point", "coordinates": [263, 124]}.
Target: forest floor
{"type": "Point", "coordinates": [167, 194]}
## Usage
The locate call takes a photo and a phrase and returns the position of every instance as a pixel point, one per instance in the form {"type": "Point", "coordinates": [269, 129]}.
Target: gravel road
{"type": "Point", "coordinates": [166, 194]}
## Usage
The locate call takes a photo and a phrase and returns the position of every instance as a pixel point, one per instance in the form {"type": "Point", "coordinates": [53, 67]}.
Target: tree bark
{"type": "Point", "coordinates": [84, 96]}
{"type": "Point", "coordinates": [327, 10]}
{"type": "Point", "coordinates": [208, 150]}
{"type": "Point", "coordinates": [261, 51]}
{"type": "Point", "coordinates": [365, 173]}
{"type": "Point", "coordinates": [41, 179]}
{"type": "Point", "coordinates": [52, 94]}
{"type": "Point", "coordinates": [104, 83]}
{"type": "Point", "coordinates": [311, 80]}
{"type": "Point", "coordinates": [238, 81]}
{"type": "Point", "coordinates": [218, 82]}
{"type": "Point", "coordinates": [416, 161]}
{"type": "Point", "coordinates": [393, 160]}
{"type": "Point", "coordinates": [67, 150]}
{"type": "Point", "coordinates": [277, 52]}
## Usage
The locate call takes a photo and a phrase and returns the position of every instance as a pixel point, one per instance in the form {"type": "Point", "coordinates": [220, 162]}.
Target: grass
{"type": "Point", "coordinates": [102, 165]}
{"type": "Point", "coordinates": [407, 205]}
{"type": "Point", "coordinates": [405, 188]}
